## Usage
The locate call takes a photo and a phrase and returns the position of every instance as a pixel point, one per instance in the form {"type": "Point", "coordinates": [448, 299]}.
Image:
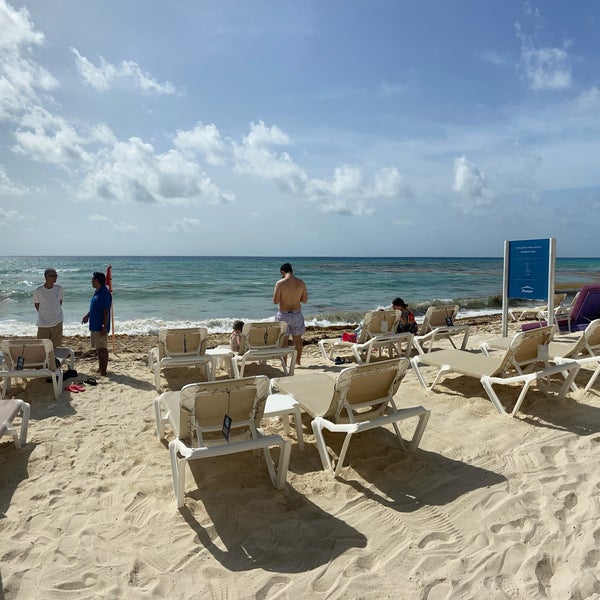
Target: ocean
{"type": "Point", "coordinates": [153, 292]}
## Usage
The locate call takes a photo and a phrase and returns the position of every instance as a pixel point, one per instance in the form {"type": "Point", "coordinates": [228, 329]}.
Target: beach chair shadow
{"type": "Point", "coordinates": [278, 531]}
{"type": "Point", "coordinates": [13, 470]}
{"type": "Point", "coordinates": [408, 482]}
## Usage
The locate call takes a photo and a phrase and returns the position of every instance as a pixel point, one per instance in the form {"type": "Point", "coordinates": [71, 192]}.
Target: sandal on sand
{"type": "Point", "coordinates": [74, 389]}
{"type": "Point", "coordinates": [339, 360]}
{"type": "Point", "coordinates": [78, 385]}
{"type": "Point", "coordinates": [91, 381]}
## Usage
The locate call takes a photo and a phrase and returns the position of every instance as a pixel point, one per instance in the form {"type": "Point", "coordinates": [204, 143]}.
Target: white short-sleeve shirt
{"type": "Point", "coordinates": [50, 311]}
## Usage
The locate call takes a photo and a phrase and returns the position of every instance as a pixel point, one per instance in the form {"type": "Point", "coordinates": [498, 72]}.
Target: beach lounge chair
{"type": "Point", "coordinates": [536, 312]}
{"type": "Point", "coordinates": [29, 359]}
{"type": "Point", "coordinates": [526, 352]}
{"type": "Point", "coordinates": [180, 348]}
{"type": "Point", "coordinates": [438, 324]}
{"type": "Point", "coordinates": [9, 410]}
{"type": "Point", "coordinates": [196, 415]}
{"type": "Point", "coordinates": [576, 316]}
{"type": "Point", "coordinates": [262, 341]}
{"type": "Point", "coordinates": [378, 331]}
{"type": "Point", "coordinates": [583, 349]}
{"type": "Point", "coordinates": [360, 399]}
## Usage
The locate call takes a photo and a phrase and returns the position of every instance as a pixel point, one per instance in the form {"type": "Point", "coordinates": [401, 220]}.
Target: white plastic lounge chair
{"type": "Point", "coordinates": [438, 324]}
{"type": "Point", "coordinates": [65, 355]}
{"type": "Point", "coordinates": [264, 341]}
{"type": "Point", "coordinates": [9, 410]}
{"type": "Point", "coordinates": [537, 312]}
{"type": "Point", "coordinates": [37, 361]}
{"type": "Point", "coordinates": [583, 349]}
{"type": "Point", "coordinates": [196, 415]}
{"type": "Point", "coordinates": [527, 351]}
{"type": "Point", "coordinates": [378, 331]}
{"type": "Point", "coordinates": [360, 399]}
{"type": "Point", "coordinates": [180, 348]}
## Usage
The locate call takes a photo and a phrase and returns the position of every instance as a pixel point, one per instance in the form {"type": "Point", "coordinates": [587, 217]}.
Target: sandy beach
{"type": "Point", "coordinates": [487, 505]}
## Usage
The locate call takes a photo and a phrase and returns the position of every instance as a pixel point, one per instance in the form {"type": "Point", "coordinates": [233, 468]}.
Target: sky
{"type": "Point", "coordinates": [298, 127]}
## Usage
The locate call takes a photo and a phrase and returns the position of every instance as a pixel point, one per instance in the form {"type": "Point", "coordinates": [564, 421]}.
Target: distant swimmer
{"type": "Point", "coordinates": [289, 293]}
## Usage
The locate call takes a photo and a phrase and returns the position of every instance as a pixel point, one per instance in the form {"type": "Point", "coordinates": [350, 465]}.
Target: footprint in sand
{"type": "Point", "coordinates": [438, 590]}
{"type": "Point", "coordinates": [569, 502]}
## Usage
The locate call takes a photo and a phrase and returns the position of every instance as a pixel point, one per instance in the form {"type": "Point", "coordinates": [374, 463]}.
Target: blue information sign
{"type": "Point", "coordinates": [528, 269]}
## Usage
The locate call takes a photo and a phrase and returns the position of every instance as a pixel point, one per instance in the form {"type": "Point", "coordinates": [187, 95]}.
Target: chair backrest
{"type": "Point", "coordinates": [585, 307]}
{"type": "Point", "coordinates": [559, 299]}
{"type": "Point", "coordinates": [203, 407]}
{"type": "Point", "coordinates": [591, 339]}
{"type": "Point", "coordinates": [190, 341]}
{"type": "Point", "coordinates": [527, 348]}
{"type": "Point", "coordinates": [263, 335]}
{"type": "Point", "coordinates": [436, 317]}
{"type": "Point", "coordinates": [364, 391]}
{"type": "Point", "coordinates": [37, 354]}
{"type": "Point", "coordinates": [378, 322]}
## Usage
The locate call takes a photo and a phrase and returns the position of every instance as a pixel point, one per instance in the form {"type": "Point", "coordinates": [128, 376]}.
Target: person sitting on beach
{"type": "Point", "coordinates": [407, 318]}
{"type": "Point", "coordinates": [235, 341]}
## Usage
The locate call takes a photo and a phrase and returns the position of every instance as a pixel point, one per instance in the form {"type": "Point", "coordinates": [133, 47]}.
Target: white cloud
{"type": "Point", "coordinates": [204, 140]}
{"type": "Point", "coordinates": [588, 100]}
{"type": "Point", "coordinates": [261, 135]}
{"type": "Point", "coordinates": [543, 67]}
{"type": "Point", "coordinates": [340, 207]}
{"type": "Point", "coordinates": [8, 187]}
{"type": "Point", "coordinates": [470, 183]}
{"type": "Point", "coordinates": [8, 217]}
{"type": "Point", "coordinates": [184, 225]}
{"type": "Point", "coordinates": [121, 227]}
{"type": "Point", "coordinates": [49, 139]}
{"type": "Point", "coordinates": [102, 77]}
{"type": "Point", "coordinates": [20, 78]}
{"type": "Point", "coordinates": [132, 171]}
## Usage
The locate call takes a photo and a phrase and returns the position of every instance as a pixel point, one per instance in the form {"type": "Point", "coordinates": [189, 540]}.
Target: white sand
{"type": "Point", "coordinates": [488, 506]}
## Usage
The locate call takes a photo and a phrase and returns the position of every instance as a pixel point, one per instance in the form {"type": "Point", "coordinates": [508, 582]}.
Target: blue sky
{"type": "Point", "coordinates": [290, 128]}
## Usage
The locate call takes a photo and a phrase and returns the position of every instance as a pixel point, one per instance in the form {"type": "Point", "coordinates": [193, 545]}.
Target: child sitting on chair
{"type": "Point", "coordinates": [235, 340]}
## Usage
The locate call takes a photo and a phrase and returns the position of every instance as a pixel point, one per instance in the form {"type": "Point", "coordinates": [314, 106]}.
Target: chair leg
{"type": "Point", "coordinates": [157, 376]}
{"type": "Point", "coordinates": [160, 424]}
{"type": "Point", "coordinates": [418, 434]}
{"type": "Point", "coordinates": [282, 467]}
{"type": "Point", "coordinates": [340, 460]}
{"type": "Point", "coordinates": [593, 378]}
{"type": "Point", "coordinates": [317, 427]}
{"type": "Point", "coordinates": [25, 412]}
{"type": "Point", "coordinates": [178, 471]}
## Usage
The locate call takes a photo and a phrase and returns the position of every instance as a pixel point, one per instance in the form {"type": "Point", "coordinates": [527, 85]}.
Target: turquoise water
{"type": "Point", "coordinates": [151, 292]}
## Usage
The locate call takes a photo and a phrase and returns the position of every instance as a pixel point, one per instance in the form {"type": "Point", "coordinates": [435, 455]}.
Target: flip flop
{"type": "Point", "coordinates": [72, 388]}
{"type": "Point", "coordinates": [91, 381]}
{"type": "Point", "coordinates": [78, 387]}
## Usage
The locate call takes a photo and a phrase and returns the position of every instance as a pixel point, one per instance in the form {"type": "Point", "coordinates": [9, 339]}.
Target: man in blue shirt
{"type": "Point", "coordinates": [99, 319]}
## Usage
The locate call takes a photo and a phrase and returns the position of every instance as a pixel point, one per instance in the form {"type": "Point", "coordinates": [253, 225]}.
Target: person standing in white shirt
{"type": "Point", "coordinates": [48, 299]}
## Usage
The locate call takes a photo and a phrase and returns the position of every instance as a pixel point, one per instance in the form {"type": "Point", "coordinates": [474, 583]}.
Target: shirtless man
{"type": "Point", "coordinates": [289, 293]}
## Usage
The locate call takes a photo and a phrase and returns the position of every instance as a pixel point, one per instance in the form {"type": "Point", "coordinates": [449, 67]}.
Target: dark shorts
{"type": "Point", "coordinates": [294, 320]}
